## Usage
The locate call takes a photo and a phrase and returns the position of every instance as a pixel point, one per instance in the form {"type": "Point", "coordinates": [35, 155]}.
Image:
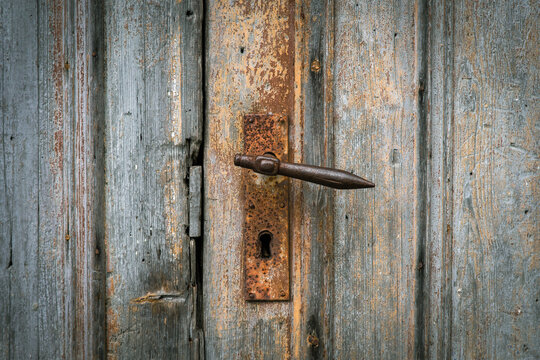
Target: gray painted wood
{"type": "Point", "coordinates": [494, 197]}
{"type": "Point", "coordinates": [48, 228]}
{"type": "Point", "coordinates": [466, 217]}
{"type": "Point", "coordinates": [195, 201]}
{"type": "Point", "coordinates": [379, 134]}
{"type": "Point", "coordinates": [88, 148]}
{"type": "Point", "coordinates": [56, 216]}
{"type": "Point", "coordinates": [54, 302]}
{"type": "Point", "coordinates": [440, 89]}
{"type": "Point", "coordinates": [20, 181]}
{"type": "Point", "coordinates": [148, 138]}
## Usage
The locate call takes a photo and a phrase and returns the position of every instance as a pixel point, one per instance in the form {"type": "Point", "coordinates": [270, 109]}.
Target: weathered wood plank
{"type": "Point", "coordinates": [249, 69]}
{"type": "Point", "coordinates": [47, 177]}
{"type": "Point", "coordinates": [440, 88]}
{"type": "Point", "coordinates": [86, 230]}
{"type": "Point", "coordinates": [439, 260]}
{"type": "Point", "coordinates": [195, 201]}
{"type": "Point", "coordinates": [148, 140]}
{"type": "Point", "coordinates": [378, 133]}
{"type": "Point", "coordinates": [20, 180]}
{"type": "Point", "coordinates": [55, 302]}
{"type": "Point", "coordinates": [311, 204]}
{"type": "Point", "coordinates": [496, 268]}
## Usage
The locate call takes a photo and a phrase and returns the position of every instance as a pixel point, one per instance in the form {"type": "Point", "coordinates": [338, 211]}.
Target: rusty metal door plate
{"type": "Point", "coordinates": [266, 212]}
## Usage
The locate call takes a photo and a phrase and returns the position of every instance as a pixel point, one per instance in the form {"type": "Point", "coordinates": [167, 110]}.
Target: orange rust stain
{"type": "Point", "coordinates": [251, 71]}
{"type": "Point", "coordinates": [112, 331]}
{"type": "Point", "coordinates": [315, 66]}
{"type": "Point", "coordinates": [109, 252]}
{"type": "Point", "coordinates": [110, 287]}
{"type": "Point", "coordinates": [56, 27]}
{"type": "Point", "coordinates": [58, 160]}
{"type": "Point", "coordinates": [299, 240]}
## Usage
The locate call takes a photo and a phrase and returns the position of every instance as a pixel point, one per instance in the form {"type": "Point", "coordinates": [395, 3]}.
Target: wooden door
{"type": "Point", "coordinates": [436, 103]}
{"type": "Point", "coordinates": [121, 217]}
{"type": "Point", "coordinates": [102, 126]}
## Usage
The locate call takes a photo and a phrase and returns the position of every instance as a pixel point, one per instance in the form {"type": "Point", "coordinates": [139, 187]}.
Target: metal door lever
{"type": "Point", "coordinates": [268, 164]}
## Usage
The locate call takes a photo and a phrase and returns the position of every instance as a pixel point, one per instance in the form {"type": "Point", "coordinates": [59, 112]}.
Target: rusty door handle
{"type": "Point", "coordinates": [270, 165]}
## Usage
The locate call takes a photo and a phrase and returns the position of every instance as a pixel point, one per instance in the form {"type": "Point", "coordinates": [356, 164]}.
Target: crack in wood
{"type": "Point", "coordinates": [159, 297]}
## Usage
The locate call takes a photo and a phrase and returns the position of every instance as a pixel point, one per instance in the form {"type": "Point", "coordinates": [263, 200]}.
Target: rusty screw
{"type": "Point", "coordinates": [251, 295]}
{"type": "Point", "coordinates": [282, 293]}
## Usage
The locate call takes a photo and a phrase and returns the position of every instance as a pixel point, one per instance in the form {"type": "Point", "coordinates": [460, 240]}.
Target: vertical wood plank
{"type": "Point", "coordinates": [439, 263]}
{"type": "Point", "coordinates": [148, 139]}
{"type": "Point", "coordinates": [20, 180]}
{"type": "Point", "coordinates": [53, 170]}
{"type": "Point", "coordinates": [42, 153]}
{"type": "Point", "coordinates": [312, 205]}
{"type": "Point", "coordinates": [495, 275]}
{"type": "Point", "coordinates": [378, 134]}
{"type": "Point", "coordinates": [86, 228]}
{"type": "Point", "coordinates": [55, 178]}
{"type": "Point", "coordinates": [248, 70]}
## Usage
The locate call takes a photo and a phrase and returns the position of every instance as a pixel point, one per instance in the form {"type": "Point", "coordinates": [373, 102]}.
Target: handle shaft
{"type": "Point", "coordinates": [334, 178]}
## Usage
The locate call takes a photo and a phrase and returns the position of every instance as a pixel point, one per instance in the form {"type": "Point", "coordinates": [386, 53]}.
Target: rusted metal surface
{"type": "Point", "coordinates": [266, 213]}
{"type": "Point", "coordinates": [270, 165]}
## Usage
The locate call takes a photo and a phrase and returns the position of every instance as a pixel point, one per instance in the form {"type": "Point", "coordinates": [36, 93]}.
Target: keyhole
{"type": "Point", "coordinates": [264, 238]}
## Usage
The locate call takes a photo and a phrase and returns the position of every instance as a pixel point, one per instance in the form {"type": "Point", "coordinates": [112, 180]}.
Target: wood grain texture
{"type": "Point", "coordinates": [86, 231]}
{"type": "Point", "coordinates": [48, 225]}
{"type": "Point", "coordinates": [312, 212]}
{"type": "Point", "coordinates": [153, 96]}
{"type": "Point", "coordinates": [100, 173]}
{"type": "Point", "coordinates": [379, 134]}
{"type": "Point", "coordinates": [377, 92]}
{"type": "Point", "coordinates": [483, 251]}
{"type": "Point", "coordinates": [195, 201]}
{"type": "Point", "coordinates": [495, 251]}
{"type": "Point", "coordinates": [57, 202]}
{"type": "Point", "coordinates": [440, 88]}
{"type": "Point", "coordinates": [20, 181]}
{"type": "Point", "coordinates": [248, 70]}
